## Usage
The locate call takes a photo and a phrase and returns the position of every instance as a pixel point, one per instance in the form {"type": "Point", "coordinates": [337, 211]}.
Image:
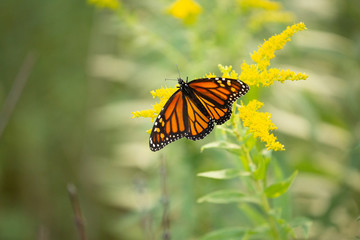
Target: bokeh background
{"type": "Point", "coordinates": [89, 68]}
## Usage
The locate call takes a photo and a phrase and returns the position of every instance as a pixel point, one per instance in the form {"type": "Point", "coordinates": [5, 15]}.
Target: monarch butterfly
{"type": "Point", "coordinates": [193, 109]}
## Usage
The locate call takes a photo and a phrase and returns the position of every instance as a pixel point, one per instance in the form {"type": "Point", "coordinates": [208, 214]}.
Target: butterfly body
{"type": "Point", "coordinates": [194, 109]}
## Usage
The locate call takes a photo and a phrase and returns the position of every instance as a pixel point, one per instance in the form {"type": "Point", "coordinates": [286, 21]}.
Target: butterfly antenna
{"type": "Point", "coordinates": [178, 70]}
{"type": "Point", "coordinates": [173, 79]}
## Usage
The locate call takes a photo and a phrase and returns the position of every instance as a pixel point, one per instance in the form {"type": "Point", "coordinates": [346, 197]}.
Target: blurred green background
{"type": "Point", "coordinates": [92, 68]}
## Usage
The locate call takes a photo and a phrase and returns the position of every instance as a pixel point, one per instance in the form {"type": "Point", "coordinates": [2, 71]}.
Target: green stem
{"type": "Point", "coordinates": [247, 161]}
{"type": "Point", "coordinates": [266, 206]}
{"type": "Point", "coordinates": [260, 185]}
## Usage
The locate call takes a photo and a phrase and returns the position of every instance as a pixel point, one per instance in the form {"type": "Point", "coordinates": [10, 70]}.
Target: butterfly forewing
{"type": "Point", "coordinates": [169, 124]}
{"type": "Point", "coordinates": [193, 110]}
{"type": "Point", "coordinates": [217, 95]}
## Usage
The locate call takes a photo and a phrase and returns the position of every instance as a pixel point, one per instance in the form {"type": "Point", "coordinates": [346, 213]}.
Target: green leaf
{"type": "Point", "coordinates": [227, 196]}
{"type": "Point", "coordinates": [225, 233]}
{"type": "Point", "coordinates": [224, 174]}
{"type": "Point", "coordinates": [250, 141]}
{"type": "Point", "coordinates": [235, 233]}
{"type": "Point", "coordinates": [231, 147]}
{"type": "Point", "coordinates": [256, 217]}
{"type": "Point", "coordinates": [277, 189]}
{"type": "Point", "coordinates": [262, 165]}
{"type": "Point", "coordinates": [303, 223]}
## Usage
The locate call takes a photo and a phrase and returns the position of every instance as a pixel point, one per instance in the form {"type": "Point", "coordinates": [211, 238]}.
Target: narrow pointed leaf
{"type": "Point", "coordinates": [231, 147]}
{"type": "Point", "coordinates": [234, 233]}
{"type": "Point", "coordinates": [277, 189]}
{"type": "Point", "coordinates": [224, 174]}
{"type": "Point", "coordinates": [226, 233]}
{"type": "Point", "coordinates": [227, 196]}
{"type": "Point", "coordinates": [262, 165]}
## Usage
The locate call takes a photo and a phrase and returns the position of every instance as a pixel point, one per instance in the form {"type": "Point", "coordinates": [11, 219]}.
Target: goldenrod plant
{"type": "Point", "coordinates": [249, 134]}
{"type": "Point", "coordinates": [241, 136]}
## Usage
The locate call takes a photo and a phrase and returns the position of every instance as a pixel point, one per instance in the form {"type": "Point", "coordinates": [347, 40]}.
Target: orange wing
{"type": "Point", "coordinates": [182, 116]}
{"type": "Point", "coordinates": [169, 125]}
{"type": "Point", "coordinates": [217, 95]}
{"type": "Point", "coordinates": [199, 122]}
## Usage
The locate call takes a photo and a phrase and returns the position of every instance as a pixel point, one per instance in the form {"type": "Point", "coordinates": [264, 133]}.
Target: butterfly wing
{"type": "Point", "coordinates": [217, 95]}
{"type": "Point", "coordinates": [198, 120]}
{"type": "Point", "coordinates": [182, 116]}
{"type": "Point", "coordinates": [169, 124]}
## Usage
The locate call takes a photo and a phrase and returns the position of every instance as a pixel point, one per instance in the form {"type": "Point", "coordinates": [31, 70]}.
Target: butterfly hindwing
{"type": "Point", "coordinates": [200, 123]}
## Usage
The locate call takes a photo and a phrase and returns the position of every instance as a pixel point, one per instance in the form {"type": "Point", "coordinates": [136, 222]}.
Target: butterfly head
{"type": "Point", "coordinates": [182, 82]}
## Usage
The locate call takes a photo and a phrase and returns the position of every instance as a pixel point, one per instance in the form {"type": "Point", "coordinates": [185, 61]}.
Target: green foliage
{"type": "Point", "coordinates": [231, 147]}
{"type": "Point", "coordinates": [228, 233]}
{"type": "Point", "coordinates": [228, 196]}
{"type": "Point", "coordinates": [277, 189]}
{"type": "Point", "coordinates": [224, 174]}
{"type": "Point", "coordinates": [257, 162]}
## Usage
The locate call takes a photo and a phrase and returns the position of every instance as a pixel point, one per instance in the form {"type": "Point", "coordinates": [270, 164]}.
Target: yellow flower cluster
{"type": "Point", "coordinates": [255, 74]}
{"type": "Point", "coordinates": [258, 73]}
{"type": "Point", "coordinates": [187, 10]}
{"type": "Point", "coordinates": [226, 71]}
{"type": "Point", "coordinates": [263, 4]}
{"type": "Point", "coordinates": [266, 52]}
{"type": "Point", "coordinates": [112, 4]}
{"type": "Point", "coordinates": [259, 124]}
